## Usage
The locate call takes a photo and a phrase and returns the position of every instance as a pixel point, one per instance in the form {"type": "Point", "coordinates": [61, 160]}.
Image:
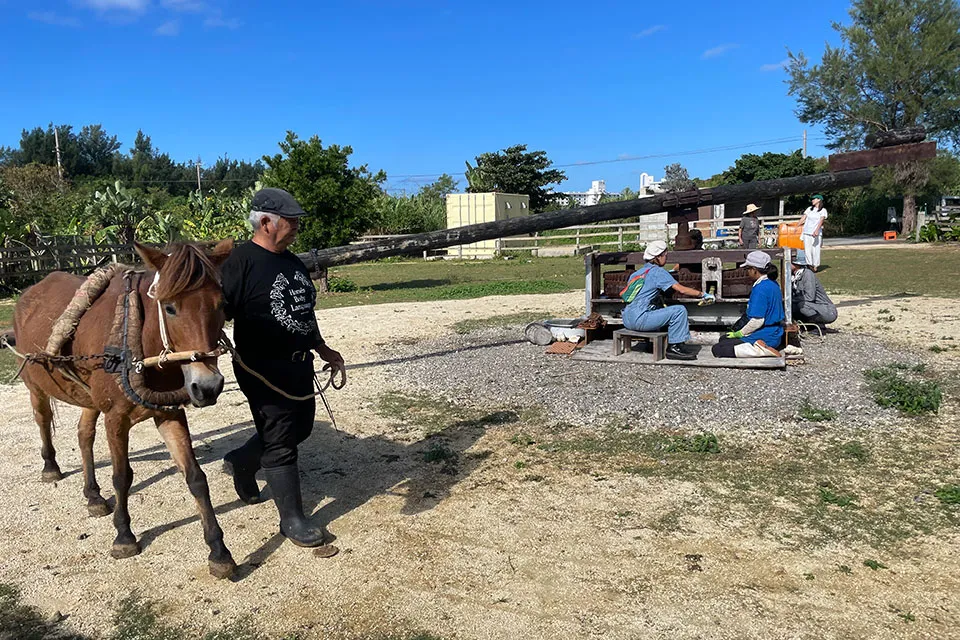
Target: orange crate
{"type": "Point", "coordinates": [889, 235]}
{"type": "Point", "coordinates": [789, 236]}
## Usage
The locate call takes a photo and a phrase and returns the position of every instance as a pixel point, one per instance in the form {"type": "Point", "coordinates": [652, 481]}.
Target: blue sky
{"type": "Point", "coordinates": [417, 87]}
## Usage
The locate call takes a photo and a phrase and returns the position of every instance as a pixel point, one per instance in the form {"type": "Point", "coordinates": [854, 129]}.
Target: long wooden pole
{"type": "Point", "coordinates": [751, 191]}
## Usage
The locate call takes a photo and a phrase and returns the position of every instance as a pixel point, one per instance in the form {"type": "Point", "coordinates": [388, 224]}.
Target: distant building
{"type": "Point", "coordinates": [598, 188]}
{"type": "Point", "coordinates": [649, 186]}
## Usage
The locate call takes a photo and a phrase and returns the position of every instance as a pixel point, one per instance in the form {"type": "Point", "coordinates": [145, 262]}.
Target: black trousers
{"type": "Point", "coordinates": [282, 424]}
{"type": "Point", "coordinates": [725, 348]}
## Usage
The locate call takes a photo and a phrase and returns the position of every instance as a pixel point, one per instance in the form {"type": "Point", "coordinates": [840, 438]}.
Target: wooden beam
{"type": "Point", "coordinates": [882, 156]}
{"type": "Point", "coordinates": [418, 243]}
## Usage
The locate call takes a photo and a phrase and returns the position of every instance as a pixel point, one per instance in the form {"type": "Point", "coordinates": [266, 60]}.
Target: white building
{"type": "Point", "coordinates": [649, 186]}
{"type": "Point", "coordinates": [598, 188]}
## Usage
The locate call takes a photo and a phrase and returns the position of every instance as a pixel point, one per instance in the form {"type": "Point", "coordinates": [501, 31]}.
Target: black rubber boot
{"type": "Point", "coordinates": [284, 483]}
{"type": "Point", "coordinates": [244, 462]}
{"type": "Point", "coordinates": [677, 352]}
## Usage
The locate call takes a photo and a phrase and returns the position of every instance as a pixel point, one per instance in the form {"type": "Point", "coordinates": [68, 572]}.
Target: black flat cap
{"type": "Point", "coordinates": [276, 201]}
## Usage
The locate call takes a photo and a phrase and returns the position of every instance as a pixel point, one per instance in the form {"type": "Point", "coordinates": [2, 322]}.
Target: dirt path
{"type": "Point", "coordinates": [484, 549]}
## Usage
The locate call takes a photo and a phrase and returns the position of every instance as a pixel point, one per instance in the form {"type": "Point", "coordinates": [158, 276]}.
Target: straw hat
{"type": "Point", "coordinates": [751, 208]}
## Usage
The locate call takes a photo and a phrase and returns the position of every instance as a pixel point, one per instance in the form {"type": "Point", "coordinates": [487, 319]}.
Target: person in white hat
{"type": "Point", "coordinates": [762, 332]}
{"type": "Point", "coordinates": [810, 300]}
{"type": "Point", "coordinates": [812, 223]}
{"type": "Point", "coordinates": [645, 312]}
{"type": "Point", "coordinates": [749, 232]}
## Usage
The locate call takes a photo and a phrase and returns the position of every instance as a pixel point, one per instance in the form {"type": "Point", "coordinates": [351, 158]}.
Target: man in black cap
{"type": "Point", "coordinates": [269, 295]}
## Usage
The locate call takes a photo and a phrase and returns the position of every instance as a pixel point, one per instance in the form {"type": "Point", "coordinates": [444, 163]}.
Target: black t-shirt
{"type": "Point", "coordinates": [271, 299]}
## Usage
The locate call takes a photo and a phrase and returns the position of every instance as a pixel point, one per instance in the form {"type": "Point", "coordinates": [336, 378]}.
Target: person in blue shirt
{"type": "Point", "coordinates": [762, 333]}
{"type": "Point", "coordinates": [645, 312]}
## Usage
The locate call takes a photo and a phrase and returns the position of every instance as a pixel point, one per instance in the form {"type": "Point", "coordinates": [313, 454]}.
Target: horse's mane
{"type": "Point", "coordinates": [187, 268]}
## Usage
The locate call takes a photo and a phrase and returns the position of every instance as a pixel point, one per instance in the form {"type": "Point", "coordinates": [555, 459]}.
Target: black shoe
{"type": "Point", "coordinates": [243, 463]}
{"type": "Point", "coordinates": [284, 483]}
{"type": "Point", "coordinates": [677, 352]}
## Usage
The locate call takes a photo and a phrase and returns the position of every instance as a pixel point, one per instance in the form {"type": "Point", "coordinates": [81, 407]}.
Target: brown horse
{"type": "Point", "coordinates": [188, 290]}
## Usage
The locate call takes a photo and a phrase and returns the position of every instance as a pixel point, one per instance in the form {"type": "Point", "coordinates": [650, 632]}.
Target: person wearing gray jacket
{"type": "Point", "coordinates": [810, 301]}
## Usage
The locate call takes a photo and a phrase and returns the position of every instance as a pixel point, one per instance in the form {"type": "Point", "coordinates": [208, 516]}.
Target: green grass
{"type": "Point", "coordinates": [420, 280]}
{"type": "Point", "coordinates": [926, 270]}
{"type": "Point", "coordinates": [896, 385]}
{"type": "Point", "coordinates": [949, 494]}
{"type": "Point", "coordinates": [930, 271]}
{"type": "Point", "coordinates": [811, 413]}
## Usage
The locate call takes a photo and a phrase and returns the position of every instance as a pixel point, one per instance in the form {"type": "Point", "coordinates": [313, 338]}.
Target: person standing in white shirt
{"type": "Point", "coordinates": [812, 234]}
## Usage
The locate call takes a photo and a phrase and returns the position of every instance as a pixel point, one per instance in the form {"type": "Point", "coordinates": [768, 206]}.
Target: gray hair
{"type": "Point", "coordinates": [257, 216]}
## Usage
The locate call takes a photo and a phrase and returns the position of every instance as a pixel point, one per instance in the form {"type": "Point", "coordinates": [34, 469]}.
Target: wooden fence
{"type": "Point", "coordinates": [23, 265]}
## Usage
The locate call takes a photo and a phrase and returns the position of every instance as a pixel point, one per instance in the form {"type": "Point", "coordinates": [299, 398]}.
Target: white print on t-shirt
{"type": "Point", "coordinates": [286, 301]}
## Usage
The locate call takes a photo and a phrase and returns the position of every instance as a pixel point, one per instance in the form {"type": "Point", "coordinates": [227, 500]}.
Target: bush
{"type": "Point", "coordinates": [337, 284]}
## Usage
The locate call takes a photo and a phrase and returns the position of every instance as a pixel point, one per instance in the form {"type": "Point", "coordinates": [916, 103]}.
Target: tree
{"type": "Point", "coordinates": [769, 166]}
{"type": "Point", "coordinates": [97, 151]}
{"type": "Point", "coordinates": [676, 178]}
{"type": "Point", "coordinates": [338, 197]}
{"type": "Point", "coordinates": [898, 66]}
{"type": "Point", "coordinates": [439, 189]}
{"type": "Point", "coordinates": [515, 170]}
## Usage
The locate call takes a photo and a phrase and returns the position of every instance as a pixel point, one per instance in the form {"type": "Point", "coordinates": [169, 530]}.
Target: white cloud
{"type": "Point", "coordinates": [50, 17]}
{"type": "Point", "coordinates": [718, 51]}
{"type": "Point", "coordinates": [107, 5]}
{"type": "Point", "coordinates": [775, 67]}
{"type": "Point", "coordinates": [186, 6]}
{"type": "Point", "coordinates": [170, 29]}
{"type": "Point", "coordinates": [219, 22]}
{"type": "Point", "coordinates": [649, 31]}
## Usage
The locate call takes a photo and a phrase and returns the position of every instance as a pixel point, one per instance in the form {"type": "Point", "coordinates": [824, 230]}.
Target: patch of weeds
{"type": "Point", "coordinates": [138, 619]}
{"type": "Point", "coordinates": [873, 564]}
{"type": "Point", "coordinates": [811, 413]}
{"type": "Point", "coordinates": [853, 450]}
{"type": "Point", "coordinates": [522, 440]}
{"type": "Point", "coordinates": [624, 514]}
{"type": "Point", "coordinates": [8, 367]}
{"type": "Point", "coordinates": [938, 349]}
{"type": "Point", "coordinates": [883, 311]}
{"type": "Point", "coordinates": [24, 622]}
{"type": "Point", "coordinates": [890, 318]}
{"type": "Point", "coordinates": [533, 477]}
{"type": "Point", "coordinates": [829, 496]}
{"type": "Point", "coordinates": [520, 464]}
{"type": "Point", "coordinates": [435, 415]}
{"type": "Point", "coordinates": [439, 452]}
{"type": "Point", "coordinates": [949, 494]}
{"type": "Point", "coordinates": [339, 284]}
{"type": "Point", "coordinates": [842, 568]}
{"type": "Point", "coordinates": [809, 576]}
{"type": "Point", "coordinates": [907, 616]}
{"type": "Point", "coordinates": [480, 455]}
{"type": "Point", "coordinates": [705, 442]}
{"type": "Point", "coordinates": [892, 387]}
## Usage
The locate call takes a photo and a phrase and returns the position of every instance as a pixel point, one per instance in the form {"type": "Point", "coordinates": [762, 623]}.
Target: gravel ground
{"type": "Point", "coordinates": [491, 366]}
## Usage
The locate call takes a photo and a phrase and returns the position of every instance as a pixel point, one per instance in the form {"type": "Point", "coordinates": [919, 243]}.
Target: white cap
{"type": "Point", "coordinates": [654, 249]}
{"type": "Point", "coordinates": [757, 259]}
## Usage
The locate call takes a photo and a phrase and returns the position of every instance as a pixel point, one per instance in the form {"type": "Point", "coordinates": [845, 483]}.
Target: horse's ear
{"type": "Point", "coordinates": [153, 258]}
{"type": "Point", "coordinates": [221, 251]}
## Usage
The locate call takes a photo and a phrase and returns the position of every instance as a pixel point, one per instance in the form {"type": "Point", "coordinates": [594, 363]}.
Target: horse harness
{"type": "Point", "coordinates": [123, 354]}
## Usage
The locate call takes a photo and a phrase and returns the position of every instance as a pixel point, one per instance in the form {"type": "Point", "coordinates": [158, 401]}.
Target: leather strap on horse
{"type": "Point", "coordinates": [131, 376]}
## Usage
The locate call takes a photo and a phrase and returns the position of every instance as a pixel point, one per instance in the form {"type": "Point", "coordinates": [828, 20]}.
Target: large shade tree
{"type": "Point", "coordinates": [515, 170]}
{"type": "Point", "coordinates": [898, 66]}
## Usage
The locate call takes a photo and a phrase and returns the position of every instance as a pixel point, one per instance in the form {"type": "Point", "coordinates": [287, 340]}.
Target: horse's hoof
{"type": "Point", "coordinates": [222, 570]}
{"type": "Point", "coordinates": [98, 509]}
{"type": "Point", "coordinates": [128, 550]}
{"type": "Point", "coordinates": [53, 475]}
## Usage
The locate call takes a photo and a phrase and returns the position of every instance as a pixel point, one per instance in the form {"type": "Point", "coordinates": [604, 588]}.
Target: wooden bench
{"type": "Point", "coordinates": [622, 339]}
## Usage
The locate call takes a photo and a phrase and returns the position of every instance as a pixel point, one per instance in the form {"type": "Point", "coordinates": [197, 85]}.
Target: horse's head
{"type": "Point", "coordinates": [191, 304]}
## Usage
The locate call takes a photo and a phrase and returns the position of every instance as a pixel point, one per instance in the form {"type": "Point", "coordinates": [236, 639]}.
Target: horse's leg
{"type": "Point", "coordinates": [177, 437]}
{"type": "Point", "coordinates": [43, 414]}
{"type": "Point", "coordinates": [86, 431]}
{"type": "Point", "coordinates": [118, 436]}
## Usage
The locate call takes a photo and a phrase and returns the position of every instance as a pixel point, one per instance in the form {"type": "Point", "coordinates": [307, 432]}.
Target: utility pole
{"type": "Point", "coordinates": [199, 188]}
{"type": "Point", "coordinates": [56, 142]}
{"type": "Point", "coordinates": [804, 143]}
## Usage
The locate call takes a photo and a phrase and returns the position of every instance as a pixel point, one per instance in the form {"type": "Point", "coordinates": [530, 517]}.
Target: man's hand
{"type": "Point", "coordinates": [334, 365]}
{"type": "Point", "coordinates": [735, 334]}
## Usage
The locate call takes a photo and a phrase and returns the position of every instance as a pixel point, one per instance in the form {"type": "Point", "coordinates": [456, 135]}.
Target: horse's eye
{"type": "Point", "coordinates": [170, 309]}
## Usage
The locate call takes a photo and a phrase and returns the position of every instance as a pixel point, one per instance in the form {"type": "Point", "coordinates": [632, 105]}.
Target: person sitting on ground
{"type": "Point", "coordinates": [762, 331]}
{"type": "Point", "coordinates": [646, 312]}
{"type": "Point", "coordinates": [810, 301]}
